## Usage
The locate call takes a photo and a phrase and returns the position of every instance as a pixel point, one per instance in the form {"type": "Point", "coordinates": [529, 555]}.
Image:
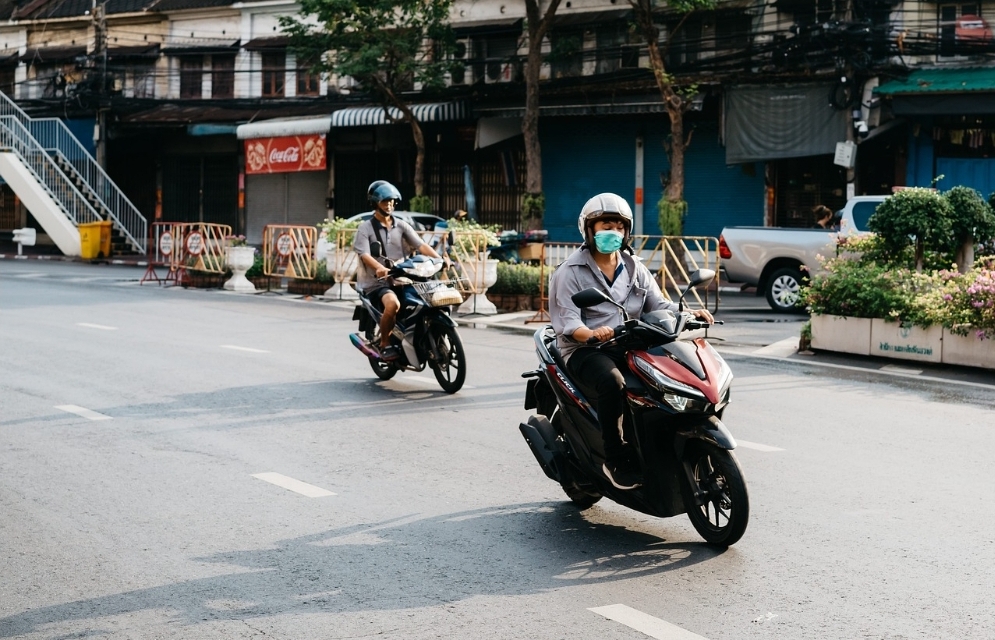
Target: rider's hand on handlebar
{"type": "Point", "coordinates": [602, 334]}
{"type": "Point", "coordinates": [703, 315]}
{"type": "Point", "coordinates": [382, 272]}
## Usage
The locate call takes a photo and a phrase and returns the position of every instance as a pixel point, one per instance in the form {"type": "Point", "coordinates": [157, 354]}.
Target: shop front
{"type": "Point", "coordinates": [286, 173]}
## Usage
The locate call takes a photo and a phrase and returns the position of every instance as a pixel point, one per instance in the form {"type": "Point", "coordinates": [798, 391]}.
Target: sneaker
{"type": "Point", "coordinates": [390, 353]}
{"type": "Point", "coordinates": [622, 473]}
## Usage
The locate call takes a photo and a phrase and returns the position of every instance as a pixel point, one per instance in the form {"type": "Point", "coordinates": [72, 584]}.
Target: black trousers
{"type": "Point", "coordinates": [600, 378]}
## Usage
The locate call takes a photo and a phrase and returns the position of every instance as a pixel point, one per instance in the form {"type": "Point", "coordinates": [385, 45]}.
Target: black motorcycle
{"type": "Point", "coordinates": [676, 390]}
{"type": "Point", "coordinates": [425, 334]}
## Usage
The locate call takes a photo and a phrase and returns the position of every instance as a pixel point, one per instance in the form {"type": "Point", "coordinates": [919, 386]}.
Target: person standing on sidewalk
{"type": "Point", "coordinates": [397, 241]}
{"type": "Point", "coordinates": [604, 262]}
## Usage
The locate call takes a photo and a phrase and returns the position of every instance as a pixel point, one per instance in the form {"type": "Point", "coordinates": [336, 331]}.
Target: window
{"type": "Point", "coordinates": [191, 77]}
{"type": "Point", "coordinates": [566, 54]}
{"type": "Point", "coordinates": [950, 15]}
{"type": "Point", "coordinates": [223, 77]}
{"type": "Point", "coordinates": [732, 31]}
{"type": "Point", "coordinates": [274, 74]}
{"type": "Point", "coordinates": [7, 81]}
{"type": "Point", "coordinates": [307, 82]}
{"type": "Point", "coordinates": [613, 49]}
{"type": "Point", "coordinates": [143, 81]}
{"type": "Point", "coordinates": [685, 43]}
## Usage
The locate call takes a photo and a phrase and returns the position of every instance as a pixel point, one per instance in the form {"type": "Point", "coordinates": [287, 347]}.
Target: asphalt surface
{"type": "Point", "coordinates": [200, 464]}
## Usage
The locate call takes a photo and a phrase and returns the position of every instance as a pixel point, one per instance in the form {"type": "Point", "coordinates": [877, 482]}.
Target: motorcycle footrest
{"type": "Point", "coordinates": [546, 452]}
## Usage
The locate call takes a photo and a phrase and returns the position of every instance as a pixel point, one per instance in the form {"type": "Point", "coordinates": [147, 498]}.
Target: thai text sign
{"type": "Point", "coordinates": [285, 155]}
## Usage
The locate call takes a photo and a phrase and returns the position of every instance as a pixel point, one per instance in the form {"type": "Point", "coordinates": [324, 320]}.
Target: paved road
{"type": "Point", "coordinates": [190, 464]}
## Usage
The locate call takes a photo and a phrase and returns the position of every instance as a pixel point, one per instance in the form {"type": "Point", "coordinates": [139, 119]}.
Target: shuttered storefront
{"type": "Point", "coordinates": [200, 189]}
{"type": "Point", "coordinates": [284, 198]}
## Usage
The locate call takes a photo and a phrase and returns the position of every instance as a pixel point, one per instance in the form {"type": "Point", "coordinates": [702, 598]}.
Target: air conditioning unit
{"type": "Point", "coordinates": [498, 71]}
{"type": "Point", "coordinates": [463, 72]}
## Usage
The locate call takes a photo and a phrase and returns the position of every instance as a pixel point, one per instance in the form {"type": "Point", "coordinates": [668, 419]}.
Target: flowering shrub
{"type": "Point", "coordinates": [969, 300]}
{"type": "Point", "coordinates": [236, 241]}
{"type": "Point", "coordinates": [332, 227]}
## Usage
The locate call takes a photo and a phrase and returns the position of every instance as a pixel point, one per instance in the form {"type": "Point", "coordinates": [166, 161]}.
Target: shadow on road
{"type": "Point", "coordinates": [400, 564]}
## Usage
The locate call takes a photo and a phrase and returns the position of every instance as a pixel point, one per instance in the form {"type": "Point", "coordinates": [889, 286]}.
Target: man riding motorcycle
{"type": "Point", "coordinates": [604, 261]}
{"type": "Point", "coordinates": [398, 240]}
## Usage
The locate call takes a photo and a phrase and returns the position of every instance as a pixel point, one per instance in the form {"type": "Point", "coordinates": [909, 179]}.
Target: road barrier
{"type": "Point", "coordinates": [198, 246]}
{"type": "Point", "coordinates": [288, 251]}
{"type": "Point", "coordinates": [163, 240]}
{"type": "Point", "coordinates": [668, 257]}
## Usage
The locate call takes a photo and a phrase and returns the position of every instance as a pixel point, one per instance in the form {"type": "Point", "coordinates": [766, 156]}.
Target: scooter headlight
{"type": "Point", "coordinates": [680, 396]}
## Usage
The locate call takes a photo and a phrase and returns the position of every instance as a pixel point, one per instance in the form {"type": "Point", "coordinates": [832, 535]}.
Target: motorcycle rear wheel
{"type": "Point", "coordinates": [384, 370]}
{"type": "Point", "coordinates": [725, 510]}
{"type": "Point", "coordinates": [451, 371]}
{"type": "Point", "coordinates": [582, 499]}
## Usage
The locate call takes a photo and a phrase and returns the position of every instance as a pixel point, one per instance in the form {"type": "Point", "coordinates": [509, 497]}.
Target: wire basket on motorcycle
{"type": "Point", "coordinates": [442, 293]}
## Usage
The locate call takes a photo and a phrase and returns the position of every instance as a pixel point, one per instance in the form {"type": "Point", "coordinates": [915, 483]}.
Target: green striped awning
{"type": "Point", "coordinates": [941, 81]}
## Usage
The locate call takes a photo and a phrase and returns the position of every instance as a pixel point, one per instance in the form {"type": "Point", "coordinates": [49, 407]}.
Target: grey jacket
{"type": "Point", "coordinates": [635, 288]}
{"type": "Point", "coordinates": [400, 241]}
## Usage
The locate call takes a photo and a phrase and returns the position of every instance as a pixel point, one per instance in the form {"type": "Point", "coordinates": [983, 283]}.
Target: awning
{"type": "Point", "coordinates": [369, 116]}
{"type": "Point", "coordinates": [279, 128]}
{"type": "Point", "coordinates": [787, 121]}
{"type": "Point", "coordinates": [494, 130]}
{"type": "Point", "coordinates": [267, 44]}
{"type": "Point", "coordinates": [150, 51]}
{"type": "Point", "coordinates": [589, 18]}
{"type": "Point", "coordinates": [487, 26]}
{"type": "Point", "coordinates": [41, 55]}
{"type": "Point", "coordinates": [941, 81]}
{"type": "Point", "coordinates": [220, 47]}
{"type": "Point", "coordinates": [597, 106]}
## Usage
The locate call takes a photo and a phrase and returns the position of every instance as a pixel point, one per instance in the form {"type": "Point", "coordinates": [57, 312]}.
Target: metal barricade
{"type": "Point", "coordinates": [550, 257]}
{"type": "Point", "coordinates": [198, 246]}
{"type": "Point", "coordinates": [673, 258]}
{"type": "Point", "coordinates": [163, 242]}
{"type": "Point", "coordinates": [288, 251]}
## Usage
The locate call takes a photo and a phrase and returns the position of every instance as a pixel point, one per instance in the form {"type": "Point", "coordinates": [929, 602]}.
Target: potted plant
{"type": "Point", "coordinates": [471, 243]}
{"type": "Point", "coordinates": [204, 272]}
{"type": "Point", "coordinates": [240, 257]}
{"type": "Point", "coordinates": [341, 262]}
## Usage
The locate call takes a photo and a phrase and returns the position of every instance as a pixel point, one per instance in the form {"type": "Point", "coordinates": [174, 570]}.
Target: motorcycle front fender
{"type": "Point", "coordinates": [444, 319]}
{"type": "Point", "coordinates": [710, 430]}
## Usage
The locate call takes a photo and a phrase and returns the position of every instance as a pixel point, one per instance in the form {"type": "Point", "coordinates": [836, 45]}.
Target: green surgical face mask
{"type": "Point", "coordinates": [608, 241]}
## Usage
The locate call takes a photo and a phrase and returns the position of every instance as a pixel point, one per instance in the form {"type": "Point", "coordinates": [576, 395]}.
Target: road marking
{"type": "Point", "coordinates": [82, 412]}
{"type": "Point", "coordinates": [783, 348]}
{"type": "Point", "coordinates": [755, 445]}
{"type": "Point", "coordinates": [898, 369]}
{"type": "Point", "coordinates": [96, 326]}
{"type": "Point", "coordinates": [645, 623]}
{"type": "Point", "coordinates": [297, 486]}
{"type": "Point", "coordinates": [237, 348]}
{"type": "Point", "coordinates": [30, 275]}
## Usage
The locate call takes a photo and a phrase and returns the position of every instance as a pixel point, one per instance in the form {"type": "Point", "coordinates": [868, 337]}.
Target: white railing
{"type": "Point", "coordinates": [55, 138]}
{"type": "Point", "coordinates": [15, 138]}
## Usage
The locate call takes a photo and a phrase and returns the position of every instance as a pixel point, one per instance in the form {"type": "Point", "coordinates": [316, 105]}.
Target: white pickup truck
{"type": "Point", "coordinates": [771, 258]}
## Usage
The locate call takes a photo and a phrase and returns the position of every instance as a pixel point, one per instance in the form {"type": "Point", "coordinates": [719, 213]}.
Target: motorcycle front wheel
{"type": "Point", "coordinates": [718, 504]}
{"type": "Point", "coordinates": [450, 366]}
{"type": "Point", "coordinates": [384, 370]}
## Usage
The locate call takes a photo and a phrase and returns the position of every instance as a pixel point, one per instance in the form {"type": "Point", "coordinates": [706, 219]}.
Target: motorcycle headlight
{"type": "Point", "coordinates": [680, 396]}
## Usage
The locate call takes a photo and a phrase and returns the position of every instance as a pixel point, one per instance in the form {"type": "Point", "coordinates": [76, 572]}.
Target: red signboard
{"type": "Point", "coordinates": [284, 155]}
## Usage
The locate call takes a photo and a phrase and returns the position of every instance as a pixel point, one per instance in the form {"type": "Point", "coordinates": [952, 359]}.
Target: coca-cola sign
{"type": "Point", "coordinates": [287, 154]}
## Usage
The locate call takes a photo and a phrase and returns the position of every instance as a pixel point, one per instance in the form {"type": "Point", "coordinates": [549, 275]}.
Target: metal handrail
{"type": "Point", "coordinates": [53, 136]}
{"type": "Point", "coordinates": [16, 138]}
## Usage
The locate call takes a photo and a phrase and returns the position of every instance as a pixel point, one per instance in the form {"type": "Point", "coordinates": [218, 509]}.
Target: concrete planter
{"type": "Point", "coordinates": [844, 334]}
{"type": "Point", "coordinates": [968, 350]}
{"type": "Point", "coordinates": [893, 340]}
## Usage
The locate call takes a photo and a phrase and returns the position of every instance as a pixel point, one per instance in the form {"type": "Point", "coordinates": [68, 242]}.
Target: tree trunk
{"type": "Point", "coordinates": [965, 255]}
{"type": "Point", "coordinates": [419, 137]}
{"type": "Point", "coordinates": [537, 28]}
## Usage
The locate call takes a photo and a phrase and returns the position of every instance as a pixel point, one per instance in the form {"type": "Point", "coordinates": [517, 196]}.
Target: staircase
{"type": "Point", "coordinates": [66, 175]}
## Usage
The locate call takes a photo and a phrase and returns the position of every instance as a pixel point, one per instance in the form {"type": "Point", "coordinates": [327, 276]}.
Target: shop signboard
{"type": "Point", "coordinates": [289, 154]}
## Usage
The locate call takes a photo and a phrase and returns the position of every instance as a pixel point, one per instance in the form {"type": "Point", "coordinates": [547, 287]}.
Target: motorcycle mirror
{"type": "Point", "coordinates": [376, 249]}
{"type": "Point", "coordinates": [698, 277]}
{"type": "Point", "coordinates": [589, 298]}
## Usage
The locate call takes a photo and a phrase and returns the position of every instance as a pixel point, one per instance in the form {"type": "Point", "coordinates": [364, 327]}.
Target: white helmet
{"type": "Point", "coordinates": [602, 204]}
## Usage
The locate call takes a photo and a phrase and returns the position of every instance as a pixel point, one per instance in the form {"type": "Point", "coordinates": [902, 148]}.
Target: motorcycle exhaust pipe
{"type": "Point", "coordinates": [360, 343]}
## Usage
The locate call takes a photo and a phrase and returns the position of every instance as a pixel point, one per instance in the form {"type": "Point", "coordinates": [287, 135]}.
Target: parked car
{"type": "Point", "coordinates": [420, 221]}
{"type": "Point", "coordinates": [772, 258]}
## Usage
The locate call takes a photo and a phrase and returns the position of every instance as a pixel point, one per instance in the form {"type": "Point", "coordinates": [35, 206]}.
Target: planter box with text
{"type": "Point", "coordinates": [893, 340]}
{"type": "Point", "coordinates": [968, 350]}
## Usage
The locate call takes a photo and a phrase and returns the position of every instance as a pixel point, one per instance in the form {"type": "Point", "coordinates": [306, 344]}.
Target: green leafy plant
{"type": "Point", "coordinates": [236, 241]}
{"type": "Point", "coordinates": [671, 216]}
{"type": "Point", "coordinates": [421, 204]}
{"type": "Point", "coordinates": [256, 270]}
{"type": "Point", "coordinates": [518, 279]}
{"type": "Point", "coordinates": [917, 216]}
{"type": "Point", "coordinates": [332, 227]}
{"type": "Point", "coordinates": [470, 233]}
{"type": "Point", "coordinates": [322, 272]}
{"type": "Point", "coordinates": [972, 221]}
{"type": "Point", "coordinates": [533, 210]}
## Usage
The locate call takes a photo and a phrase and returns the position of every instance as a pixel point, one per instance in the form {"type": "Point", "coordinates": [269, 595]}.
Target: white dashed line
{"type": "Point", "coordinates": [645, 623]}
{"type": "Point", "coordinates": [96, 326]}
{"type": "Point", "coordinates": [237, 348]}
{"type": "Point", "coordinates": [297, 486]}
{"type": "Point", "coordinates": [82, 412]}
{"type": "Point", "coordinates": [898, 369]}
{"type": "Point", "coordinates": [425, 382]}
{"type": "Point", "coordinates": [755, 445]}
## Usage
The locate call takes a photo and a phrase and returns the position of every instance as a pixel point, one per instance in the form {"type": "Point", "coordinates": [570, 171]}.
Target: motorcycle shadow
{"type": "Point", "coordinates": [396, 564]}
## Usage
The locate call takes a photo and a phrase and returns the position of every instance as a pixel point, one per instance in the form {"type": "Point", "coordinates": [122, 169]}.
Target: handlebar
{"type": "Point", "coordinates": [691, 324]}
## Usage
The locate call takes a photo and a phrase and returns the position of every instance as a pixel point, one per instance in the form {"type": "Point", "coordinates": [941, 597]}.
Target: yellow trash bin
{"type": "Point", "coordinates": [95, 239]}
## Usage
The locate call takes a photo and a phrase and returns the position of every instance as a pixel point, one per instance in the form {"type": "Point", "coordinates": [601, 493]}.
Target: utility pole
{"type": "Point", "coordinates": [98, 14]}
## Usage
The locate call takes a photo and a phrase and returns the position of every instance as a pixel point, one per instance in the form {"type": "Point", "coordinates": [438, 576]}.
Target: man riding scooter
{"type": "Point", "coordinates": [398, 240]}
